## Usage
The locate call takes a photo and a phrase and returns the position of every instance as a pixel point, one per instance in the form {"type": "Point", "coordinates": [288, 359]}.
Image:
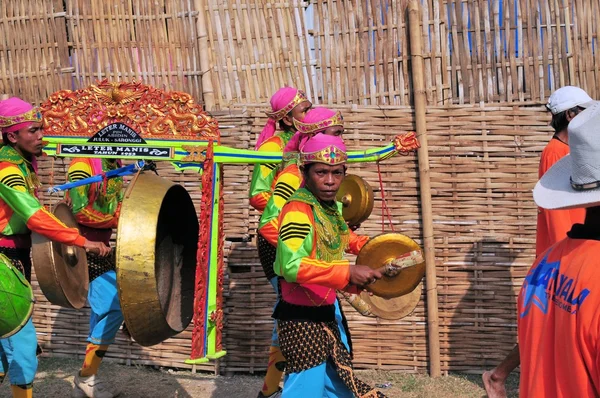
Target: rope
{"type": "Point", "coordinates": [384, 207]}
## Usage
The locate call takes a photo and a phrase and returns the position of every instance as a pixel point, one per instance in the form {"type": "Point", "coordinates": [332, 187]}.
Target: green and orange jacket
{"type": "Point", "coordinates": [20, 210]}
{"type": "Point", "coordinates": [263, 176]}
{"type": "Point", "coordinates": [95, 205]}
{"type": "Point", "coordinates": [311, 275]}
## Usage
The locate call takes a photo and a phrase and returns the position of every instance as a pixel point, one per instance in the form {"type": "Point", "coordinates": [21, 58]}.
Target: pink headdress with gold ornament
{"type": "Point", "coordinates": [282, 103]}
{"type": "Point", "coordinates": [316, 121]}
{"type": "Point", "coordinates": [321, 148]}
{"type": "Point", "coordinates": [16, 114]}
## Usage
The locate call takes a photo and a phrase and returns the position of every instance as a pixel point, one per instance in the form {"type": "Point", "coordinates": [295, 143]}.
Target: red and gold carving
{"type": "Point", "coordinates": [195, 153]}
{"type": "Point", "coordinates": [220, 269]}
{"type": "Point", "coordinates": [152, 113]}
{"type": "Point", "coordinates": [203, 258]}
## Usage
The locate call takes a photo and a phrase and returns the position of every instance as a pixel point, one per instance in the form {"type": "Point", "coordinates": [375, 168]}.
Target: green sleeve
{"type": "Point", "coordinates": [372, 154]}
{"type": "Point", "coordinates": [295, 241]}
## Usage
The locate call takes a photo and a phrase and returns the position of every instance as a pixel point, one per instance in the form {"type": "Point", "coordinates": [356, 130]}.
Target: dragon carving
{"type": "Point", "coordinates": [153, 113]}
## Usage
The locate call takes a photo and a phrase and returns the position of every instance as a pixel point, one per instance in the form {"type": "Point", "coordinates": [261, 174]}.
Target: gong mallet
{"type": "Point", "coordinates": [393, 267]}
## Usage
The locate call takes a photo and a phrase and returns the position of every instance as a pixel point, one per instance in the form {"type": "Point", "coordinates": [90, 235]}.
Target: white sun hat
{"type": "Point", "coordinates": [568, 97]}
{"type": "Point", "coordinates": [574, 181]}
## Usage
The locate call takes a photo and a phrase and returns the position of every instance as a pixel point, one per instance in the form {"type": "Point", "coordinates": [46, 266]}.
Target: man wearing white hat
{"type": "Point", "coordinates": [564, 104]}
{"type": "Point", "coordinates": [552, 225]}
{"type": "Point", "coordinates": [558, 316]}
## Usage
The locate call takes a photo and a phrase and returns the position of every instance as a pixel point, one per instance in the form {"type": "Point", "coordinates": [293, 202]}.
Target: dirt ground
{"type": "Point", "coordinates": [55, 380]}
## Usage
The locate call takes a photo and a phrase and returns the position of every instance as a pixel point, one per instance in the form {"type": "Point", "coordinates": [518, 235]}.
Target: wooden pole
{"type": "Point", "coordinates": [420, 103]}
{"type": "Point", "coordinates": [208, 95]}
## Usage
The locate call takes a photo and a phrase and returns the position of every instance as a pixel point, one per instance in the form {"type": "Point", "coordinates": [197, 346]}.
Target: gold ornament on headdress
{"type": "Point", "coordinates": [331, 155]}
{"type": "Point", "coordinates": [280, 114]}
{"type": "Point", "coordinates": [313, 128]}
{"type": "Point", "coordinates": [151, 112]}
{"type": "Point", "coordinates": [33, 115]}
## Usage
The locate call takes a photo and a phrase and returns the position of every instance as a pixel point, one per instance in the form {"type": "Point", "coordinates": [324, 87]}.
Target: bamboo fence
{"type": "Point", "coordinates": [488, 67]}
{"type": "Point", "coordinates": [227, 53]}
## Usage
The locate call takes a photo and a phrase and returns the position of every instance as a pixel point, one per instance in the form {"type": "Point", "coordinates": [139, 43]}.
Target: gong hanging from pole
{"type": "Point", "coordinates": [357, 199]}
{"type": "Point", "coordinates": [61, 270]}
{"type": "Point", "coordinates": [393, 308]}
{"type": "Point", "coordinates": [157, 241]}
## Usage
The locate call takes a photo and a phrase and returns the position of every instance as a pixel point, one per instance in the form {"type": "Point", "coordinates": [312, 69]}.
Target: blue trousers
{"type": "Point", "coordinates": [106, 316]}
{"type": "Point", "coordinates": [320, 381]}
{"type": "Point", "coordinates": [18, 355]}
{"type": "Point", "coordinates": [274, 336]}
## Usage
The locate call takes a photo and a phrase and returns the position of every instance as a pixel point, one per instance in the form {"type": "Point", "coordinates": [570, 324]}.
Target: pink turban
{"type": "Point", "coordinates": [282, 103]}
{"type": "Point", "coordinates": [321, 148]}
{"type": "Point", "coordinates": [316, 121]}
{"type": "Point", "coordinates": [16, 114]}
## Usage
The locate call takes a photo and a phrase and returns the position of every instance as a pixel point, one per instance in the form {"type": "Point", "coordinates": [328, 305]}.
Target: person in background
{"type": "Point", "coordinates": [20, 213]}
{"type": "Point", "coordinates": [552, 225]}
{"type": "Point", "coordinates": [287, 104]}
{"type": "Point", "coordinates": [558, 317]}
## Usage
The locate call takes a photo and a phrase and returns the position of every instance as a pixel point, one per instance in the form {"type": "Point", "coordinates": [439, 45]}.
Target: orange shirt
{"type": "Point", "coordinates": [559, 320]}
{"type": "Point", "coordinates": [553, 225]}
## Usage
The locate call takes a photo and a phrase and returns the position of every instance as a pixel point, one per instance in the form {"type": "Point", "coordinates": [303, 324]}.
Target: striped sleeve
{"type": "Point", "coordinates": [296, 251]}
{"type": "Point", "coordinates": [78, 170]}
{"type": "Point", "coordinates": [12, 177]}
{"type": "Point", "coordinates": [24, 205]}
{"type": "Point", "coordinates": [286, 183]}
{"type": "Point", "coordinates": [263, 176]}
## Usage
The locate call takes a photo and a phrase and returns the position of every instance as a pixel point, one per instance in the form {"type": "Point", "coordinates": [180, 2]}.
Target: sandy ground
{"type": "Point", "coordinates": [55, 380]}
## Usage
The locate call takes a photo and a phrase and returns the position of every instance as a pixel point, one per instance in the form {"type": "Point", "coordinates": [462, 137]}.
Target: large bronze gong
{"type": "Point", "coordinates": [385, 248]}
{"type": "Point", "coordinates": [393, 308]}
{"type": "Point", "coordinates": [357, 199]}
{"type": "Point", "coordinates": [157, 240]}
{"type": "Point", "coordinates": [61, 270]}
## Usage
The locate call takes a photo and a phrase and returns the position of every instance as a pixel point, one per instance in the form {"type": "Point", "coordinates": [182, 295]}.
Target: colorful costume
{"type": "Point", "coordinates": [312, 240]}
{"type": "Point", "coordinates": [267, 242]}
{"type": "Point", "coordinates": [20, 213]}
{"type": "Point", "coordinates": [261, 189]}
{"type": "Point", "coordinates": [263, 176]}
{"type": "Point", "coordinates": [96, 208]}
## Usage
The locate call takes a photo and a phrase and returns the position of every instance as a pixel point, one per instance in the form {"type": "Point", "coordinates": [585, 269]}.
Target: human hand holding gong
{"type": "Point", "coordinates": [361, 275]}
{"type": "Point", "coordinates": [98, 248]}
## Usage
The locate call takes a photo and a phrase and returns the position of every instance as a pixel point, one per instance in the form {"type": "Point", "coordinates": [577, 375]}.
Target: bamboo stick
{"type": "Point", "coordinates": [427, 51]}
{"type": "Point", "coordinates": [425, 191]}
{"type": "Point", "coordinates": [208, 94]}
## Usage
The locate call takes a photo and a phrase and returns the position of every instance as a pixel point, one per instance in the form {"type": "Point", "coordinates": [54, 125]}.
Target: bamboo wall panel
{"type": "Point", "coordinates": [474, 51]}
{"type": "Point", "coordinates": [34, 54]}
{"type": "Point", "coordinates": [46, 46]}
{"type": "Point", "coordinates": [340, 52]}
{"type": "Point", "coordinates": [256, 47]}
{"type": "Point", "coordinates": [154, 41]}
